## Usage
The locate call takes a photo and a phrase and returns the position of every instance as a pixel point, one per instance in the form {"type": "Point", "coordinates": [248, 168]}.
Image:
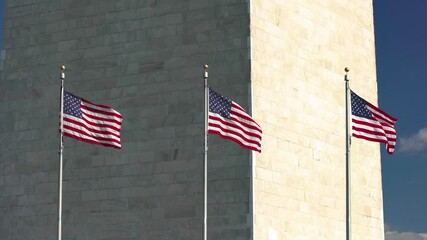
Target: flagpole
{"type": "Point", "coordinates": [205, 154]}
{"type": "Point", "coordinates": [347, 154]}
{"type": "Point", "coordinates": [61, 148]}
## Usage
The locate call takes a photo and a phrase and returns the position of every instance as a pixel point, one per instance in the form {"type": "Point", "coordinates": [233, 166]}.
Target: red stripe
{"type": "Point", "coordinates": [379, 133]}
{"type": "Point", "coordinates": [97, 124]}
{"type": "Point", "coordinates": [389, 139]}
{"type": "Point", "coordinates": [369, 139]}
{"type": "Point", "coordinates": [382, 112]}
{"type": "Point", "coordinates": [381, 130]}
{"type": "Point", "coordinates": [114, 112]}
{"type": "Point", "coordinates": [383, 123]}
{"type": "Point", "coordinates": [366, 123]}
{"type": "Point", "coordinates": [90, 141]}
{"type": "Point", "coordinates": [234, 140]}
{"type": "Point", "coordinates": [247, 117]}
{"type": "Point", "coordinates": [234, 117]}
{"type": "Point", "coordinates": [228, 130]}
{"type": "Point", "coordinates": [84, 133]}
{"type": "Point", "coordinates": [233, 125]}
{"type": "Point", "coordinates": [66, 119]}
{"type": "Point", "coordinates": [390, 148]}
{"type": "Point", "coordinates": [104, 113]}
{"type": "Point", "coordinates": [231, 131]}
{"type": "Point", "coordinates": [102, 119]}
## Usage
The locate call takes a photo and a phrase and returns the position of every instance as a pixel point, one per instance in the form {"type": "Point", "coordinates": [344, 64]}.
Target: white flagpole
{"type": "Point", "coordinates": [347, 145]}
{"type": "Point", "coordinates": [61, 148]}
{"type": "Point", "coordinates": [205, 154]}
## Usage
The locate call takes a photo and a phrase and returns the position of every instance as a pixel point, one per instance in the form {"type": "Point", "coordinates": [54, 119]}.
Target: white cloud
{"type": "Point", "coordinates": [416, 142]}
{"type": "Point", "coordinates": [393, 235]}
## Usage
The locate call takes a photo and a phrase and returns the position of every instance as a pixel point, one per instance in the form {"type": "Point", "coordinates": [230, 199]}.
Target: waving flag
{"type": "Point", "coordinates": [371, 123]}
{"type": "Point", "coordinates": [92, 123]}
{"type": "Point", "coordinates": [230, 121]}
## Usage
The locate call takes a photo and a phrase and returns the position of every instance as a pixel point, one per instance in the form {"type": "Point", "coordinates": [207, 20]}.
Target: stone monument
{"type": "Point", "coordinates": [283, 61]}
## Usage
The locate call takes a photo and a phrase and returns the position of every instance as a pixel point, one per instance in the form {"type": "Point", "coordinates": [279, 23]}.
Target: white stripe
{"type": "Point", "coordinates": [383, 122]}
{"type": "Point", "coordinates": [255, 139]}
{"type": "Point", "coordinates": [379, 137]}
{"type": "Point", "coordinates": [104, 116]}
{"type": "Point", "coordinates": [237, 121]}
{"type": "Point", "coordinates": [380, 128]}
{"type": "Point", "coordinates": [90, 138]}
{"type": "Point", "coordinates": [381, 115]}
{"type": "Point", "coordinates": [91, 134]}
{"type": "Point", "coordinates": [362, 119]}
{"type": "Point", "coordinates": [369, 128]}
{"type": "Point", "coordinates": [390, 138]}
{"type": "Point", "coordinates": [108, 128]}
{"type": "Point", "coordinates": [242, 112]}
{"type": "Point", "coordinates": [240, 140]}
{"type": "Point", "coordinates": [89, 117]}
{"type": "Point", "coordinates": [105, 109]}
{"type": "Point", "coordinates": [390, 129]}
{"type": "Point", "coordinates": [253, 131]}
{"type": "Point", "coordinates": [66, 123]}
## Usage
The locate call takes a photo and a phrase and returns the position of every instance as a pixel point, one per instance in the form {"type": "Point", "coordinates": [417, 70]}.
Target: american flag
{"type": "Point", "coordinates": [230, 121]}
{"type": "Point", "coordinates": [92, 123]}
{"type": "Point", "coordinates": [371, 123]}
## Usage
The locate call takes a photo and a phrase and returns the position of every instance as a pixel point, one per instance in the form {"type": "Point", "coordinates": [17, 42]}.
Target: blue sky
{"type": "Point", "coordinates": [401, 51]}
{"type": "Point", "coordinates": [401, 39]}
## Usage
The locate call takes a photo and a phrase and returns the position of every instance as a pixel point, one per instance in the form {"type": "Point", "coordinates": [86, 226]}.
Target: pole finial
{"type": "Point", "coordinates": [206, 71]}
{"type": "Point", "coordinates": [346, 69]}
{"type": "Point", "coordinates": [62, 75]}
